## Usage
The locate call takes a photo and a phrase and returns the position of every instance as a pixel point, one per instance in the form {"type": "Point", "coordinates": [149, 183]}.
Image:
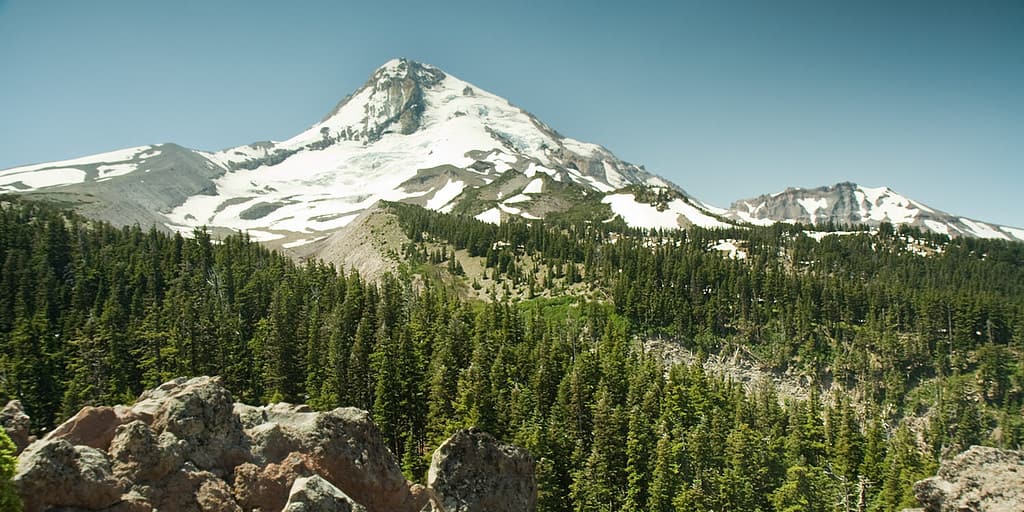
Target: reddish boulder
{"type": "Point", "coordinates": [92, 426]}
{"type": "Point", "coordinates": [267, 488]}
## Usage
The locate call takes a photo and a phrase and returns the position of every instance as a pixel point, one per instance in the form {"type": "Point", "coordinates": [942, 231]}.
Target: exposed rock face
{"type": "Point", "coordinates": [399, 90]}
{"type": "Point", "coordinates": [473, 472]}
{"type": "Point", "coordinates": [200, 412]}
{"type": "Point", "coordinates": [852, 204]}
{"type": "Point", "coordinates": [139, 455]}
{"type": "Point", "coordinates": [343, 445]}
{"type": "Point", "coordinates": [92, 426]}
{"type": "Point", "coordinates": [57, 473]}
{"type": "Point", "coordinates": [268, 487]}
{"type": "Point", "coordinates": [314, 494]}
{"type": "Point", "coordinates": [185, 446]}
{"type": "Point", "coordinates": [14, 420]}
{"type": "Point", "coordinates": [980, 479]}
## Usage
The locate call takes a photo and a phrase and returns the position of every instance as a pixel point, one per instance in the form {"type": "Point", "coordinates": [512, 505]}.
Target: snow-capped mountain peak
{"type": "Point", "coordinates": [849, 203]}
{"type": "Point", "coordinates": [416, 134]}
{"type": "Point", "coordinates": [408, 125]}
{"type": "Point", "coordinates": [411, 133]}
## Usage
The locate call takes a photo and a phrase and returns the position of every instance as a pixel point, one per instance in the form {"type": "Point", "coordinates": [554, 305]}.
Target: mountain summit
{"type": "Point", "coordinates": [411, 133]}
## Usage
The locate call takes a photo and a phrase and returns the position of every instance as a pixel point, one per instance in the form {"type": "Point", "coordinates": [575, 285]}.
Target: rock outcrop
{"type": "Point", "coordinates": [54, 473]}
{"type": "Point", "coordinates": [186, 446]}
{"type": "Point", "coordinates": [16, 423]}
{"type": "Point", "coordinates": [92, 426]}
{"type": "Point", "coordinates": [314, 494]}
{"type": "Point", "coordinates": [980, 479]}
{"type": "Point", "coordinates": [473, 472]}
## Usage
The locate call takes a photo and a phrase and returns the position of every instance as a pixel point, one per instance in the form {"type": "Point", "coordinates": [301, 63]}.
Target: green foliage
{"type": "Point", "coordinates": [91, 314]}
{"type": "Point", "coordinates": [9, 499]}
{"type": "Point", "coordinates": [806, 489]}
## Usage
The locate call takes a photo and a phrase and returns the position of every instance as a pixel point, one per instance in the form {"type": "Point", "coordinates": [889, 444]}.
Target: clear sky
{"type": "Point", "coordinates": [729, 99]}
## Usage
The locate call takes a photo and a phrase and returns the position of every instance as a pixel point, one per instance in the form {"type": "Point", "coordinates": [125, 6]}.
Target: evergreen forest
{"type": "Point", "coordinates": [904, 347]}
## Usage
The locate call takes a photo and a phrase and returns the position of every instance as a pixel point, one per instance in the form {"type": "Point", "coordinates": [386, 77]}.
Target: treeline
{"type": "Point", "coordinates": [91, 314]}
{"type": "Point", "coordinates": [867, 310]}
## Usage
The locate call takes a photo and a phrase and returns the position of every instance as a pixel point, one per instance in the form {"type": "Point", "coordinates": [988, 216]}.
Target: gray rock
{"type": "Point", "coordinates": [140, 456]}
{"type": "Point", "coordinates": [16, 423]}
{"type": "Point", "coordinates": [55, 473]}
{"type": "Point", "coordinates": [200, 412]}
{"type": "Point", "coordinates": [314, 494]}
{"type": "Point", "coordinates": [980, 479]}
{"type": "Point", "coordinates": [182, 447]}
{"type": "Point", "coordinates": [190, 489]}
{"type": "Point", "coordinates": [473, 472]}
{"type": "Point", "coordinates": [344, 445]}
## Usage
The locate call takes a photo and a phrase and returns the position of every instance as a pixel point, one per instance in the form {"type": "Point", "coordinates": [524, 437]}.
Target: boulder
{"type": "Point", "coordinates": [350, 452]}
{"type": "Point", "coordinates": [16, 423]}
{"type": "Point", "coordinates": [200, 412]}
{"type": "Point", "coordinates": [92, 426]}
{"type": "Point", "coordinates": [190, 489]}
{"type": "Point", "coordinates": [344, 446]}
{"type": "Point", "coordinates": [185, 446]}
{"type": "Point", "coordinates": [55, 473]}
{"type": "Point", "coordinates": [979, 479]}
{"type": "Point", "coordinates": [473, 472]}
{"type": "Point", "coordinates": [314, 494]}
{"type": "Point", "coordinates": [140, 456]}
{"type": "Point", "coordinates": [267, 488]}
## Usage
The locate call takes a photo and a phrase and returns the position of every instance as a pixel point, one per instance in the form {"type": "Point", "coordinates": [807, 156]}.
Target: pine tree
{"type": "Point", "coordinates": [389, 391]}
{"type": "Point", "coordinates": [599, 484]}
{"type": "Point", "coordinates": [644, 404]}
{"type": "Point", "coordinates": [806, 489]}
{"type": "Point", "coordinates": [358, 392]}
{"type": "Point", "coordinates": [665, 477]}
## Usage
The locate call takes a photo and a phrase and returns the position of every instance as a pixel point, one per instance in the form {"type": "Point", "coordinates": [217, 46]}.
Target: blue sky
{"type": "Point", "coordinates": [729, 99]}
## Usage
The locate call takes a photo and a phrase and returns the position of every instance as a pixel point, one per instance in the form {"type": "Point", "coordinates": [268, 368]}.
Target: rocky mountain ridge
{"type": "Point", "coordinates": [851, 204]}
{"type": "Point", "coordinates": [186, 446]}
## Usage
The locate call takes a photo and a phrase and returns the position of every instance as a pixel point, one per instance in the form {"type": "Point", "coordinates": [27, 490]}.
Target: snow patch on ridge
{"type": "Point", "coordinates": [42, 178]}
{"type": "Point", "coordinates": [937, 227]}
{"type": "Point", "coordinates": [120, 155]}
{"type": "Point", "coordinates": [1017, 233]}
{"type": "Point", "coordinates": [66, 172]}
{"type": "Point", "coordinates": [518, 198]}
{"type": "Point", "coordinates": [492, 216]}
{"type": "Point", "coordinates": [109, 171]}
{"type": "Point", "coordinates": [534, 187]}
{"type": "Point", "coordinates": [642, 215]}
{"type": "Point", "coordinates": [812, 205]}
{"type": "Point", "coordinates": [982, 230]}
{"type": "Point", "coordinates": [446, 194]}
{"type": "Point", "coordinates": [884, 205]}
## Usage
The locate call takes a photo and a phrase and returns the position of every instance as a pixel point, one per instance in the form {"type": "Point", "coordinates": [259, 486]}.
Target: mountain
{"type": "Point", "coordinates": [415, 134]}
{"type": "Point", "coordinates": [411, 133]}
{"type": "Point", "coordinates": [849, 203]}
